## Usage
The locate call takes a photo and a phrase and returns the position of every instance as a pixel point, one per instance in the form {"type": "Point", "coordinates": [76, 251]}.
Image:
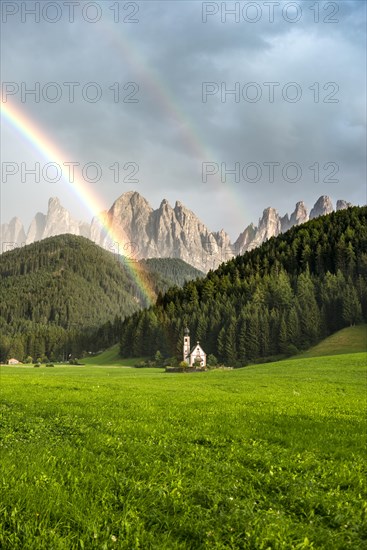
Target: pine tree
{"type": "Point", "coordinates": [241, 342]}
{"type": "Point", "coordinates": [309, 313]}
{"type": "Point", "coordinates": [253, 336]}
{"type": "Point", "coordinates": [230, 352]}
{"type": "Point", "coordinates": [4, 348]}
{"type": "Point", "coordinates": [293, 327]}
{"type": "Point", "coordinates": [351, 307]}
{"type": "Point", "coordinates": [221, 342]}
{"type": "Point", "coordinates": [283, 336]}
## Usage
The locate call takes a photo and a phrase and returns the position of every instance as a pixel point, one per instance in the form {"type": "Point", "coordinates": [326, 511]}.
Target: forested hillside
{"type": "Point", "coordinates": [171, 271]}
{"type": "Point", "coordinates": [56, 294]}
{"type": "Point", "coordinates": [277, 299]}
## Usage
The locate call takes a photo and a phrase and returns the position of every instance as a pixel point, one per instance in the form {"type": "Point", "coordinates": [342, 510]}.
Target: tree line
{"type": "Point", "coordinates": [65, 296]}
{"type": "Point", "coordinates": [277, 299]}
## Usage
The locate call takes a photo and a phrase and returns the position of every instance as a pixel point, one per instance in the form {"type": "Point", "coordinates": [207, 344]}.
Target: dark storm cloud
{"type": "Point", "coordinates": [169, 54]}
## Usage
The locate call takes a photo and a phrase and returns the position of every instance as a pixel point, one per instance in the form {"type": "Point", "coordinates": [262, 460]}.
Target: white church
{"type": "Point", "coordinates": [195, 354]}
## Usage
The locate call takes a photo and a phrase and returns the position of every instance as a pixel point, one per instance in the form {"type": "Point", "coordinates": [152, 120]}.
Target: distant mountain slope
{"type": "Point", "coordinates": [67, 283]}
{"type": "Point", "coordinates": [173, 271]}
{"type": "Point", "coordinates": [65, 280]}
{"type": "Point", "coordinates": [279, 298]}
{"type": "Point", "coordinates": [141, 232]}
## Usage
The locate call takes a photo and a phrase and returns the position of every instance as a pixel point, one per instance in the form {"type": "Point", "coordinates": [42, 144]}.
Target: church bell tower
{"type": "Point", "coordinates": [186, 346]}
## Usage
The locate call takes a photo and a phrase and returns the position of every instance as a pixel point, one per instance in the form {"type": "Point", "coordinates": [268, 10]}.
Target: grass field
{"type": "Point", "coordinates": [265, 457]}
{"type": "Point", "coordinates": [347, 340]}
{"type": "Point", "coordinates": [110, 357]}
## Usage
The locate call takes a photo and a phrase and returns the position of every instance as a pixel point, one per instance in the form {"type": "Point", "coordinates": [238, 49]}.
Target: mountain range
{"type": "Point", "coordinates": [168, 232]}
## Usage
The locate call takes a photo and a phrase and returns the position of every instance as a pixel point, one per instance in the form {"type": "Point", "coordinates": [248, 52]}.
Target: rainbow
{"type": "Point", "coordinates": [42, 143]}
{"type": "Point", "coordinates": [160, 92]}
{"type": "Point", "coordinates": [169, 104]}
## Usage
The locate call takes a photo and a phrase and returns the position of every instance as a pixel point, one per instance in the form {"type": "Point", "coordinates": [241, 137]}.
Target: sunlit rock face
{"type": "Point", "coordinates": [131, 227]}
{"type": "Point", "coordinates": [12, 235]}
{"type": "Point", "coordinates": [322, 206]}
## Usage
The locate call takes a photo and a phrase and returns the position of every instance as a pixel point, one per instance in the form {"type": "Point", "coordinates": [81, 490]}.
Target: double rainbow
{"type": "Point", "coordinates": [160, 91]}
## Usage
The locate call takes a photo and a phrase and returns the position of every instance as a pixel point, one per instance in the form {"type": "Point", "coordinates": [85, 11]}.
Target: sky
{"type": "Point", "coordinates": [227, 107]}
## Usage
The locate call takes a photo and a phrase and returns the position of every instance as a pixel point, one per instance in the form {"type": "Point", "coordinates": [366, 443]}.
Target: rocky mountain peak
{"type": "Point", "coordinates": [342, 205]}
{"type": "Point", "coordinates": [15, 223]}
{"type": "Point", "coordinates": [300, 214]}
{"type": "Point", "coordinates": [322, 207]}
{"type": "Point", "coordinates": [269, 213]}
{"type": "Point", "coordinates": [165, 205]}
{"type": "Point", "coordinates": [270, 224]}
{"type": "Point", "coordinates": [300, 207]}
{"type": "Point", "coordinates": [54, 202]}
{"type": "Point", "coordinates": [245, 238]}
{"type": "Point", "coordinates": [37, 227]}
{"type": "Point", "coordinates": [12, 234]}
{"type": "Point", "coordinates": [133, 228]}
{"type": "Point", "coordinates": [128, 200]}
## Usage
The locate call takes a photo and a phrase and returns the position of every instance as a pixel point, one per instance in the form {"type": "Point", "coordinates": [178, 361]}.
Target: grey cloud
{"type": "Point", "coordinates": [170, 53]}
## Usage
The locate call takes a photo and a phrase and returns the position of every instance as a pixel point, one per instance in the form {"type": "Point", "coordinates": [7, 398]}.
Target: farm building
{"type": "Point", "coordinates": [14, 361]}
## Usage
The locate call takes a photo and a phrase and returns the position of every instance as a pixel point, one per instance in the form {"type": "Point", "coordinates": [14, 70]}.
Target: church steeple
{"type": "Point", "coordinates": [186, 345]}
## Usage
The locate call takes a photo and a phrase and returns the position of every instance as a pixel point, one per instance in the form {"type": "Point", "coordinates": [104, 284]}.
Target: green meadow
{"type": "Point", "coordinates": [347, 340]}
{"type": "Point", "coordinates": [111, 357]}
{"type": "Point", "coordinates": [265, 457]}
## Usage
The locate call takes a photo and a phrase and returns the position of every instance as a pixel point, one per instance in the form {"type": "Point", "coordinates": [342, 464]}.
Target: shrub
{"type": "Point", "coordinates": [291, 350]}
{"type": "Point", "coordinates": [212, 360]}
{"type": "Point", "coordinates": [158, 358]}
{"type": "Point", "coordinates": [49, 365]}
{"type": "Point", "coordinates": [74, 362]}
{"type": "Point", "coordinates": [37, 365]}
{"type": "Point", "coordinates": [140, 364]}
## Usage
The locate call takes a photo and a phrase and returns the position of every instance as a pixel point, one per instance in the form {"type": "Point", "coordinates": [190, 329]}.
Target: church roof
{"type": "Point", "coordinates": [195, 347]}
